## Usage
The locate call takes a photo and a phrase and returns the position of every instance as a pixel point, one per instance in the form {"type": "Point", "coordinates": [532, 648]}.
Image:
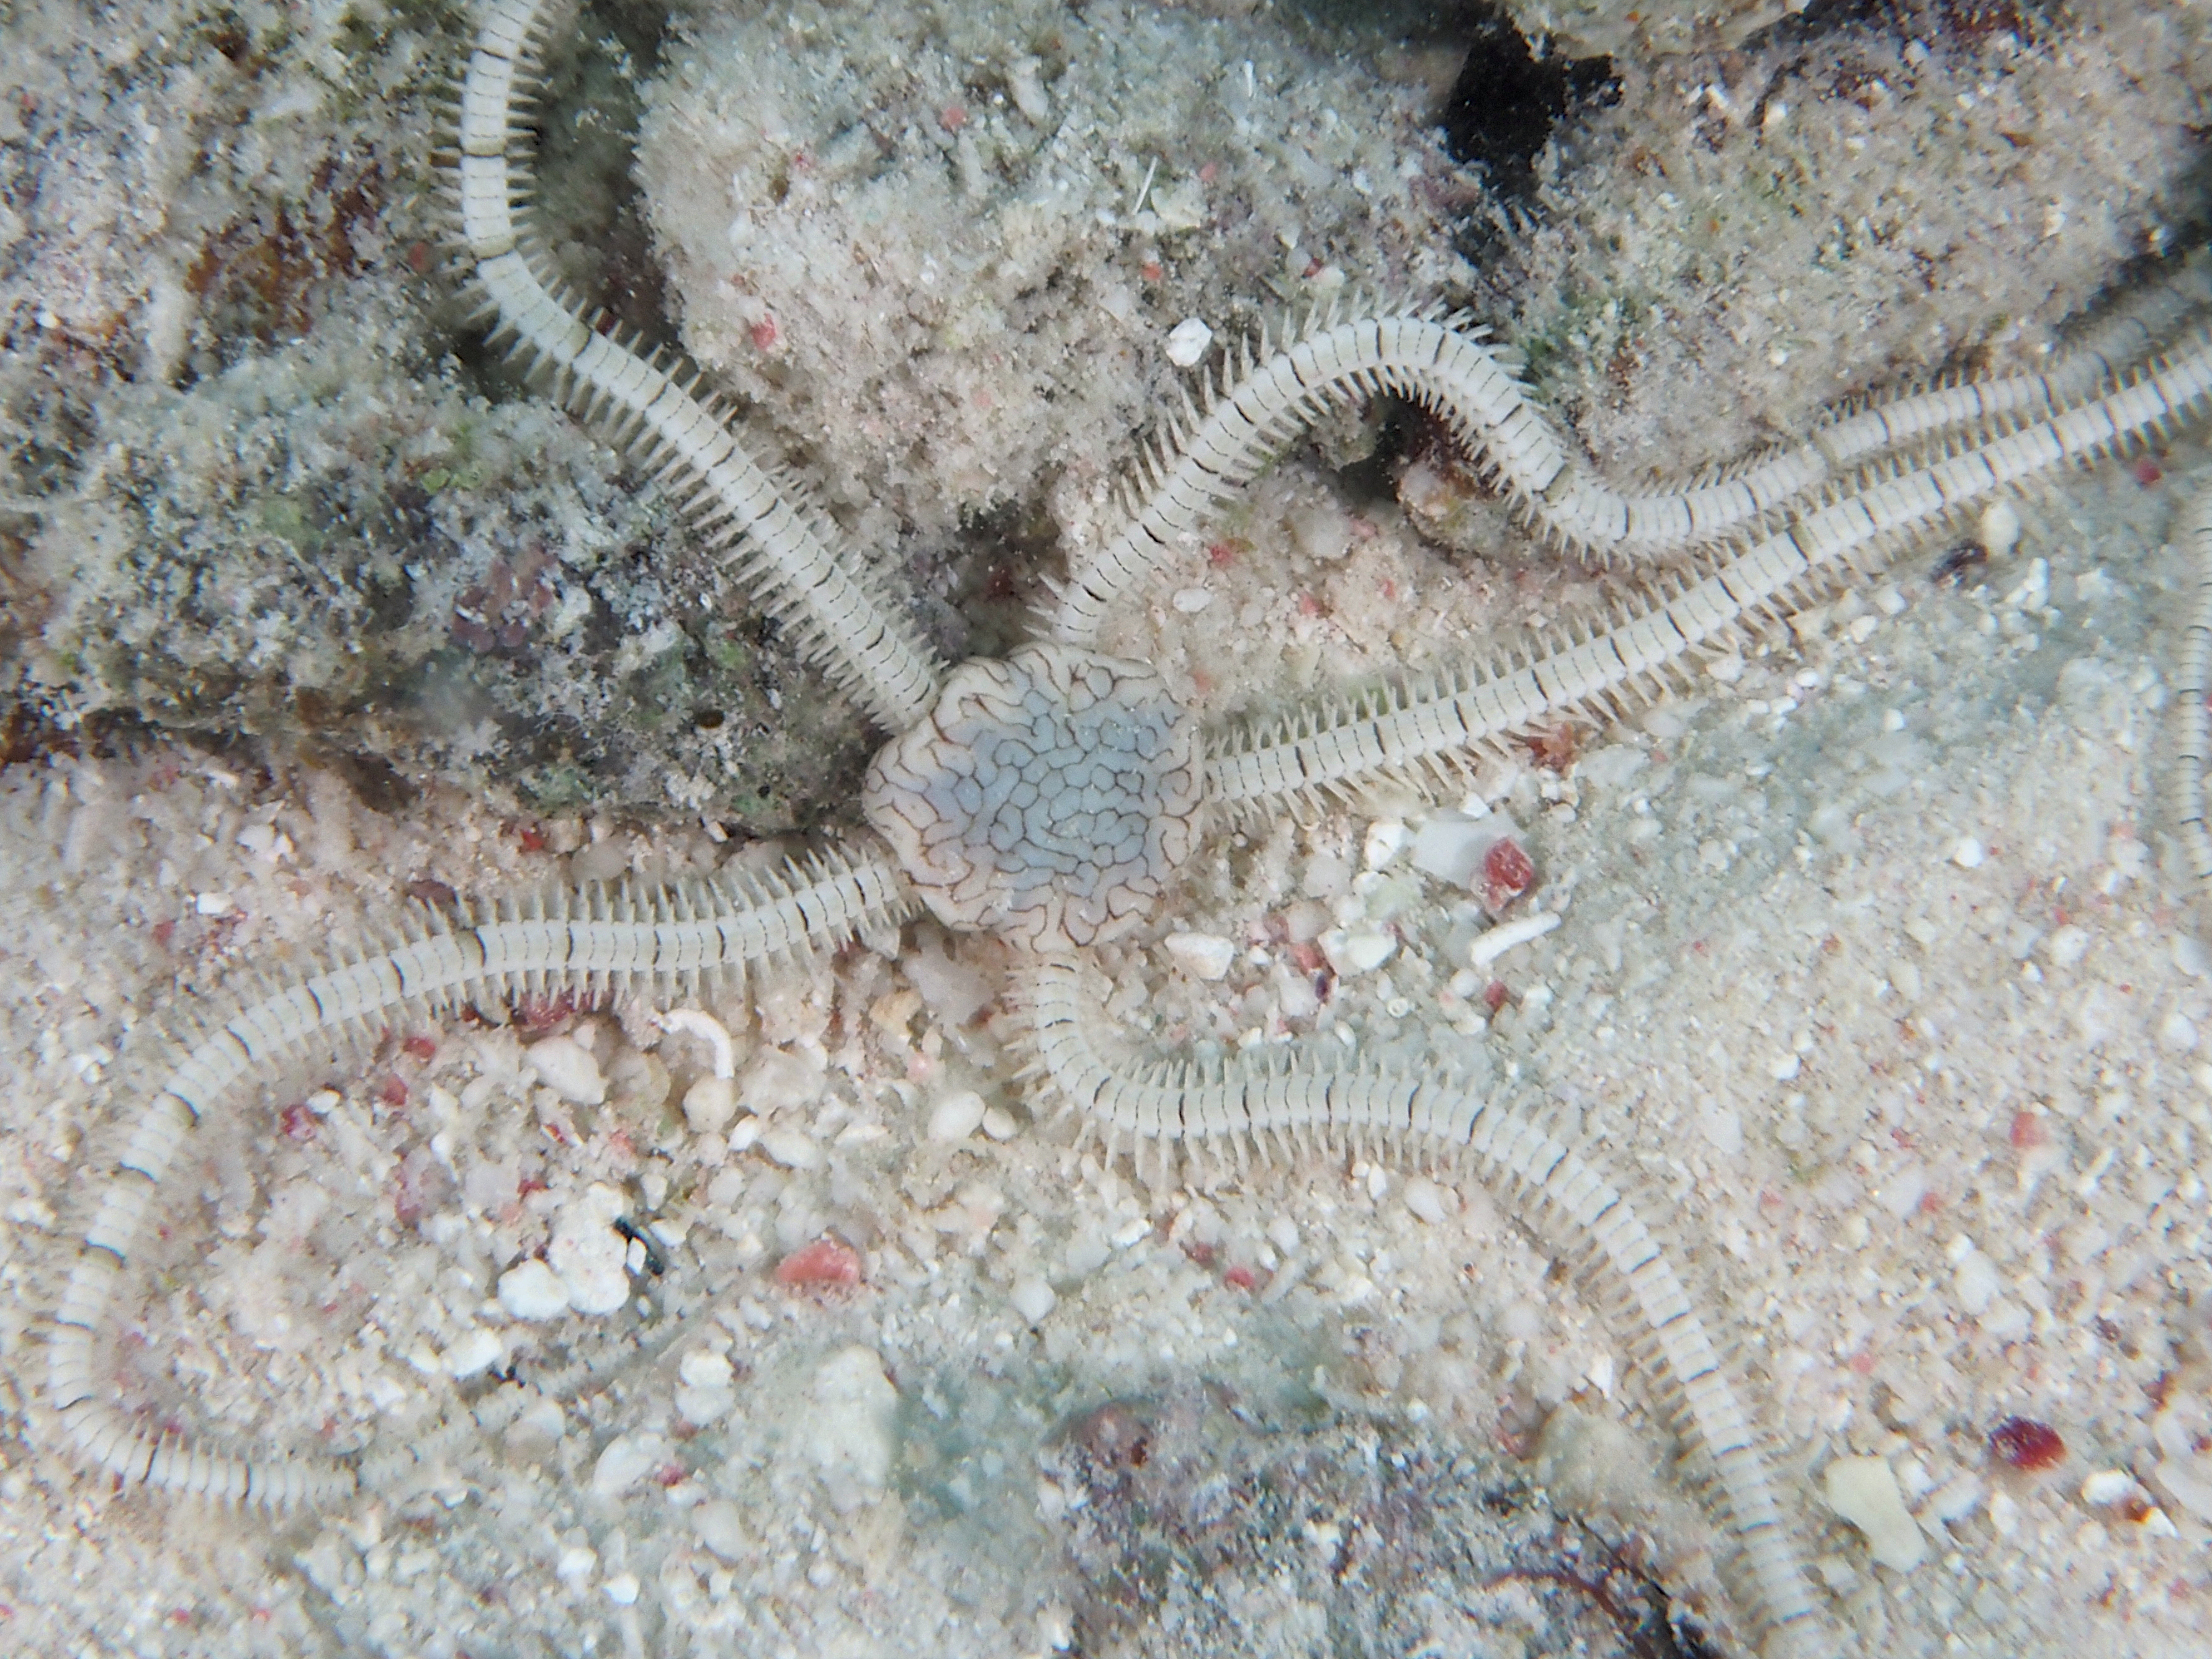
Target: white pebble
{"type": "Point", "coordinates": [1192, 600]}
{"type": "Point", "coordinates": [703, 1368]}
{"type": "Point", "coordinates": [1357, 950]}
{"type": "Point", "coordinates": [529, 1290]}
{"type": "Point", "coordinates": [622, 1589]}
{"type": "Point", "coordinates": [1188, 341]}
{"type": "Point", "coordinates": [1202, 956]}
{"type": "Point", "coordinates": [1489, 946]}
{"type": "Point", "coordinates": [720, 1528]}
{"type": "Point", "coordinates": [2004, 1514]}
{"type": "Point", "coordinates": [776, 1079]}
{"type": "Point", "coordinates": [2190, 957]}
{"type": "Point", "coordinates": [998, 1124]}
{"type": "Point", "coordinates": [1086, 1253]}
{"type": "Point", "coordinates": [1976, 1280]}
{"type": "Point", "coordinates": [589, 1257]}
{"type": "Point", "coordinates": [1601, 1374]}
{"type": "Point", "coordinates": [568, 1069]}
{"type": "Point", "coordinates": [1385, 839]}
{"type": "Point", "coordinates": [1028, 90]}
{"type": "Point", "coordinates": [2176, 1035]}
{"type": "Point", "coordinates": [478, 1350]}
{"type": "Point", "coordinates": [957, 1116]}
{"type": "Point", "coordinates": [1969, 853]}
{"type": "Point", "coordinates": [1999, 529]}
{"type": "Point", "coordinates": [1032, 1298]}
{"type": "Point", "coordinates": [575, 1565]}
{"type": "Point", "coordinates": [710, 1104]}
{"type": "Point", "coordinates": [703, 1407]}
{"type": "Point", "coordinates": [627, 1459]}
{"type": "Point", "coordinates": [791, 1148]}
{"type": "Point", "coordinates": [2066, 945]}
{"type": "Point", "coordinates": [1905, 1191]}
{"type": "Point", "coordinates": [1864, 1493]}
{"type": "Point", "coordinates": [1426, 1199]}
{"type": "Point", "coordinates": [213, 904]}
{"type": "Point", "coordinates": [2107, 1486]}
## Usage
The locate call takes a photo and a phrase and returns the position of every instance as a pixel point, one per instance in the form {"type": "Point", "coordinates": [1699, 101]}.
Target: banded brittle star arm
{"type": "Point", "coordinates": [836, 603]}
{"type": "Point", "coordinates": [1237, 1107]}
{"type": "Point", "coordinates": [600, 941]}
{"type": "Point", "coordinates": [1429, 726]}
{"type": "Point", "coordinates": [1886, 468]}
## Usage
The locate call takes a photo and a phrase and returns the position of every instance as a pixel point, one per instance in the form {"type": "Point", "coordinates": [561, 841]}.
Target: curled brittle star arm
{"type": "Point", "coordinates": [1559, 1191]}
{"type": "Point", "coordinates": [600, 941]}
{"type": "Point", "coordinates": [839, 606]}
{"type": "Point", "coordinates": [1431, 727]}
{"type": "Point", "coordinates": [1445, 364]}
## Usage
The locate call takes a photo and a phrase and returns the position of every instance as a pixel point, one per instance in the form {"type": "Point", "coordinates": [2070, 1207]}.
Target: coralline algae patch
{"type": "Point", "coordinates": [947, 249]}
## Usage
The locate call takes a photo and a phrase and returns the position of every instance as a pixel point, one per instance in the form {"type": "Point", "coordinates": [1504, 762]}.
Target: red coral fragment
{"type": "Point", "coordinates": [825, 1261]}
{"type": "Point", "coordinates": [2026, 1444]}
{"type": "Point", "coordinates": [1508, 871]}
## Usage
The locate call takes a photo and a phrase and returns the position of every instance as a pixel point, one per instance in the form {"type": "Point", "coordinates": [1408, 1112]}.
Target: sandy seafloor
{"type": "Point", "coordinates": [1879, 967]}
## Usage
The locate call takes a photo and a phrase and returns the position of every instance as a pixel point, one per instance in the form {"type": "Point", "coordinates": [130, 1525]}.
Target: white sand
{"type": "Point", "coordinates": [1927, 1113]}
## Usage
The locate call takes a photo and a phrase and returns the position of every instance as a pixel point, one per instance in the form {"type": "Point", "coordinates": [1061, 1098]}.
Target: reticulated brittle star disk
{"type": "Point", "coordinates": [1050, 797]}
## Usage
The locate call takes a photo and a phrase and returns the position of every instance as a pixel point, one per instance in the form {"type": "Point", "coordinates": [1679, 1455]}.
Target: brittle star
{"type": "Point", "coordinates": [1054, 797]}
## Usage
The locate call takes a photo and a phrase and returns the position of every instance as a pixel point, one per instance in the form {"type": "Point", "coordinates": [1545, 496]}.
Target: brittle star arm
{"type": "Point", "coordinates": [2193, 687]}
{"type": "Point", "coordinates": [1444, 364]}
{"type": "Point", "coordinates": [1561, 1192]}
{"type": "Point", "coordinates": [1431, 727]}
{"type": "Point", "coordinates": [597, 941]}
{"type": "Point", "coordinates": [837, 603]}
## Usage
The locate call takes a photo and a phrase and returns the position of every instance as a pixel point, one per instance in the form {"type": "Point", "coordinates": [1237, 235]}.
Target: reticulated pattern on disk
{"type": "Point", "coordinates": [1050, 797]}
